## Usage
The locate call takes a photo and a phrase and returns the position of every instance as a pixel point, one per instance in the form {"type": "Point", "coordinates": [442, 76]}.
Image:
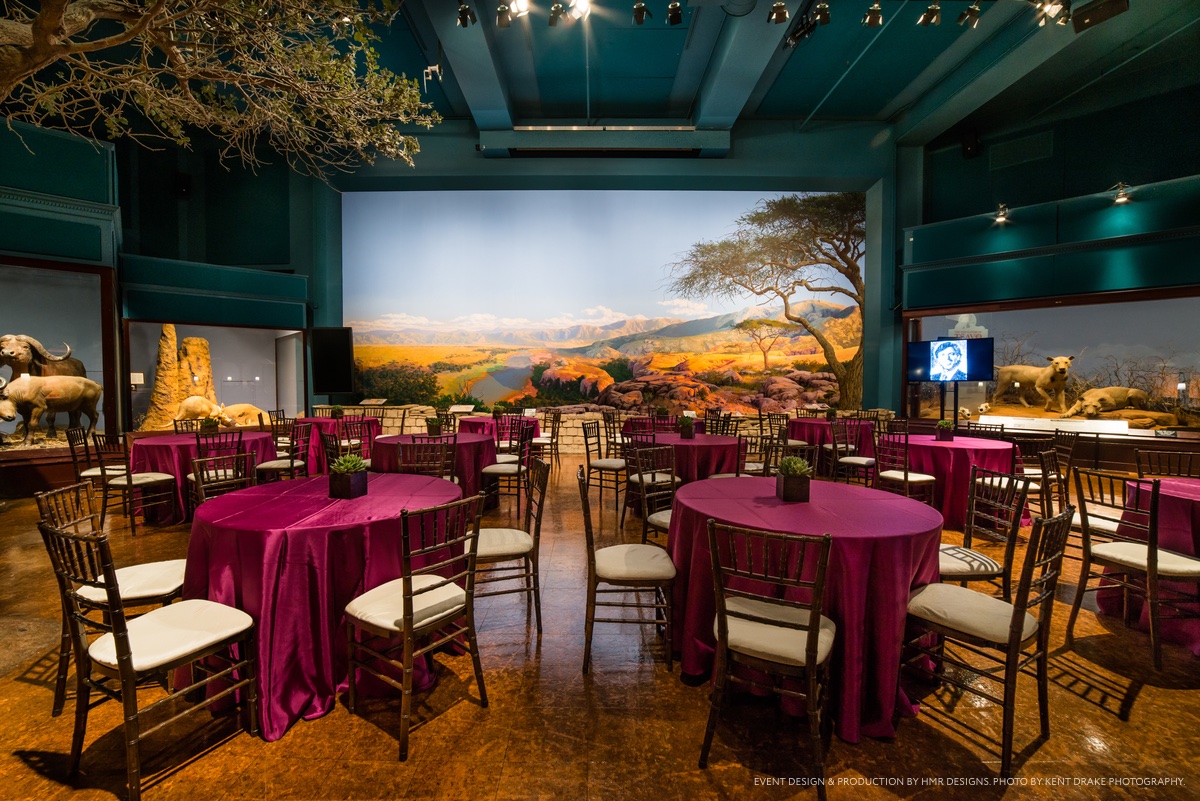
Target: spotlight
{"type": "Point", "coordinates": [674, 13]}
{"type": "Point", "coordinates": [1122, 190]}
{"type": "Point", "coordinates": [778, 13]}
{"type": "Point", "coordinates": [557, 11]}
{"type": "Point", "coordinates": [503, 16]}
{"type": "Point", "coordinates": [970, 17]}
{"type": "Point", "coordinates": [932, 16]}
{"type": "Point", "coordinates": [806, 28]}
{"type": "Point", "coordinates": [640, 12]}
{"type": "Point", "coordinates": [581, 9]}
{"type": "Point", "coordinates": [466, 17]}
{"type": "Point", "coordinates": [1065, 19]}
{"type": "Point", "coordinates": [518, 8]}
{"type": "Point", "coordinates": [1002, 213]}
{"type": "Point", "coordinates": [822, 13]}
{"type": "Point", "coordinates": [874, 16]}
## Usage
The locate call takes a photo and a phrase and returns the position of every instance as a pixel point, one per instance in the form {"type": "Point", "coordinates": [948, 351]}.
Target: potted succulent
{"type": "Point", "coordinates": [793, 480]}
{"type": "Point", "coordinates": [336, 412]}
{"type": "Point", "coordinates": [661, 411]}
{"type": "Point", "coordinates": [687, 427]}
{"type": "Point", "coordinates": [944, 431]}
{"type": "Point", "coordinates": [209, 424]}
{"type": "Point", "coordinates": [348, 477]}
{"type": "Point", "coordinates": [433, 425]}
{"type": "Point", "coordinates": [831, 414]}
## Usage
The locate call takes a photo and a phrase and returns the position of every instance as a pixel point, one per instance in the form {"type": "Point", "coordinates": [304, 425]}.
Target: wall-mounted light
{"type": "Point", "coordinates": [1002, 213]}
{"type": "Point", "coordinates": [970, 17]}
{"type": "Point", "coordinates": [874, 16]}
{"type": "Point", "coordinates": [640, 12]}
{"type": "Point", "coordinates": [932, 16]}
{"type": "Point", "coordinates": [778, 13]}
{"type": "Point", "coordinates": [1122, 190]}
{"type": "Point", "coordinates": [138, 379]}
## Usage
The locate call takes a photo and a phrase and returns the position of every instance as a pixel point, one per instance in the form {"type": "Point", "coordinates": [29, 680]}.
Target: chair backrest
{"type": "Point", "coordinates": [301, 436]}
{"type": "Point", "coordinates": [592, 447]}
{"type": "Point", "coordinates": [1040, 572]}
{"type": "Point", "coordinates": [994, 508]}
{"type": "Point", "coordinates": [354, 412]}
{"type": "Point", "coordinates": [785, 570]}
{"type": "Point", "coordinates": [985, 430]}
{"type": "Point", "coordinates": [187, 426]}
{"type": "Point", "coordinates": [891, 452]}
{"type": "Point", "coordinates": [439, 541]}
{"type": "Point", "coordinates": [322, 411]}
{"type": "Point", "coordinates": [376, 413]}
{"type": "Point", "coordinates": [588, 533]}
{"type": "Point", "coordinates": [1167, 464]}
{"type": "Point", "coordinates": [665, 422]}
{"type": "Point", "coordinates": [655, 464]}
{"type": "Point", "coordinates": [1055, 481]}
{"type": "Point", "coordinates": [282, 426]}
{"type": "Point", "coordinates": [110, 453]}
{"type": "Point", "coordinates": [535, 496]}
{"type": "Point", "coordinates": [612, 424]}
{"type": "Point", "coordinates": [429, 455]}
{"type": "Point", "coordinates": [844, 432]}
{"type": "Point", "coordinates": [1115, 506]}
{"type": "Point", "coordinates": [769, 423]}
{"type": "Point", "coordinates": [640, 425]}
{"type": "Point", "coordinates": [331, 445]}
{"type": "Point", "coordinates": [217, 475]}
{"type": "Point", "coordinates": [71, 508]}
{"type": "Point", "coordinates": [218, 443]}
{"type": "Point", "coordinates": [81, 454]}
{"type": "Point", "coordinates": [891, 425]}
{"type": "Point", "coordinates": [553, 424]}
{"type": "Point", "coordinates": [520, 437]}
{"type": "Point", "coordinates": [1029, 446]}
{"type": "Point", "coordinates": [809, 413]}
{"type": "Point", "coordinates": [354, 437]}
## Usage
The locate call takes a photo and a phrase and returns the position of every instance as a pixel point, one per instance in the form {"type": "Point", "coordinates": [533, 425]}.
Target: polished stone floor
{"type": "Point", "coordinates": [629, 730]}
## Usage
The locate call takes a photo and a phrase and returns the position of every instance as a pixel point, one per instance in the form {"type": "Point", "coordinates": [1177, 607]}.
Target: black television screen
{"type": "Point", "coordinates": [332, 360]}
{"type": "Point", "coordinates": [951, 360]}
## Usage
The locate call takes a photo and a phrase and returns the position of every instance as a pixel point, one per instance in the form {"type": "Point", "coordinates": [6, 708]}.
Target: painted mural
{"type": "Point", "coordinates": [737, 300]}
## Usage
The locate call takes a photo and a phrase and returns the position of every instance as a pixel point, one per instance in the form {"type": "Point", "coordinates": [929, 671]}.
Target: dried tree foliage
{"type": "Point", "coordinates": [299, 75]}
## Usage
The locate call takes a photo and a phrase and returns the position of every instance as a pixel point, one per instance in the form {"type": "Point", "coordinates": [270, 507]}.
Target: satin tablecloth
{"type": "Point", "coordinates": [487, 425]}
{"type": "Point", "coordinates": [1178, 531]}
{"type": "Point", "coordinates": [950, 463]}
{"type": "Point", "coordinates": [884, 546]}
{"type": "Point", "coordinates": [174, 454]}
{"type": "Point", "coordinates": [316, 453]}
{"type": "Point", "coordinates": [293, 558]}
{"type": "Point", "coordinates": [472, 453]}
{"type": "Point", "coordinates": [816, 431]}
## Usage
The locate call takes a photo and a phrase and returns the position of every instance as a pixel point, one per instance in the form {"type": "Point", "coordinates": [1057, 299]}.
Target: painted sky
{"type": "Point", "coordinates": [522, 259]}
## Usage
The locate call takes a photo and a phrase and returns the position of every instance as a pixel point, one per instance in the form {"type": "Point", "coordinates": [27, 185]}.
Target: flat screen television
{"type": "Point", "coordinates": [951, 360]}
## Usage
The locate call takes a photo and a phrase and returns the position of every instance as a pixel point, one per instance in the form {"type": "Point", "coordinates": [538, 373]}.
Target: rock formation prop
{"type": "Point", "coordinates": [182, 370]}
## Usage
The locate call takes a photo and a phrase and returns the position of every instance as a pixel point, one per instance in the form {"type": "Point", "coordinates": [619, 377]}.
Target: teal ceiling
{"type": "Point", "coordinates": [725, 62]}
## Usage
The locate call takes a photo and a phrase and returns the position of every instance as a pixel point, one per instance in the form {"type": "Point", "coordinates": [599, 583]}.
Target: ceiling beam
{"type": "Point", "coordinates": [741, 56]}
{"type": "Point", "coordinates": [469, 54]}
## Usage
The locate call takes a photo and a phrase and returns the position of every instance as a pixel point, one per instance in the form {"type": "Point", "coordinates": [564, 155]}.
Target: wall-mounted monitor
{"type": "Point", "coordinates": [332, 360]}
{"type": "Point", "coordinates": [951, 360]}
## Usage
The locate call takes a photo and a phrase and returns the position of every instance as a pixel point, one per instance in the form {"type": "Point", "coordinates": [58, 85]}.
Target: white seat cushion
{"type": "Point", "coordinates": [849, 448]}
{"type": "Point", "coordinates": [857, 461]}
{"type": "Point", "coordinates": [143, 478]}
{"type": "Point", "coordinates": [542, 441]}
{"type": "Point", "coordinates": [796, 443]}
{"type": "Point", "coordinates": [219, 475]}
{"type": "Point", "coordinates": [724, 475]}
{"type": "Point", "coordinates": [496, 543]}
{"type": "Point", "coordinates": [967, 611]}
{"type": "Point", "coordinates": [913, 478]}
{"type": "Point", "coordinates": [1002, 481]}
{"type": "Point", "coordinates": [507, 458]}
{"type": "Point", "coordinates": [280, 464]}
{"type": "Point", "coordinates": [1136, 555]}
{"type": "Point", "coordinates": [957, 561]}
{"type": "Point", "coordinates": [96, 472]}
{"type": "Point", "coordinates": [171, 632]}
{"type": "Point", "coordinates": [660, 519]}
{"type": "Point", "coordinates": [618, 563]}
{"type": "Point", "coordinates": [503, 469]}
{"type": "Point", "coordinates": [1099, 525]}
{"type": "Point", "coordinates": [654, 478]}
{"type": "Point", "coordinates": [383, 607]}
{"type": "Point", "coordinates": [148, 580]}
{"type": "Point", "coordinates": [776, 643]}
{"type": "Point", "coordinates": [606, 464]}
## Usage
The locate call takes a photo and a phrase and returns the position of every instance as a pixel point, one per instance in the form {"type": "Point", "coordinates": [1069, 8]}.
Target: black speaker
{"type": "Point", "coordinates": [970, 144]}
{"type": "Point", "coordinates": [1096, 12]}
{"type": "Point", "coordinates": [332, 360]}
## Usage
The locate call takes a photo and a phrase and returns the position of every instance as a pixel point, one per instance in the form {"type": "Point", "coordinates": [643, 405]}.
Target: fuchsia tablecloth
{"type": "Point", "coordinates": [174, 454]}
{"type": "Point", "coordinates": [316, 453]}
{"type": "Point", "coordinates": [884, 546]}
{"type": "Point", "coordinates": [487, 425]}
{"type": "Point", "coordinates": [1178, 531]}
{"type": "Point", "coordinates": [293, 558]}
{"type": "Point", "coordinates": [699, 458]}
{"type": "Point", "coordinates": [472, 453]}
{"type": "Point", "coordinates": [816, 431]}
{"type": "Point", "coordinates": [950, 463]}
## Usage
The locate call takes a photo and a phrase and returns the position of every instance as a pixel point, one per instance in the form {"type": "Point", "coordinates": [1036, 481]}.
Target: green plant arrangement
{"type": "Point", "coordinates": [944, 431]}
{"type": "Point", "coordinates": [433, 425]}
{"type": "Point", "coordinates": [210, 423]}
{"type": "Point", "coordinates": [336, 412]}
{"type": "Point", "coordinates": [348, 477]}
{"type": "Point", "coordinates": [793, 481]}
{"type": "Point", "coordinates": [687, 427]}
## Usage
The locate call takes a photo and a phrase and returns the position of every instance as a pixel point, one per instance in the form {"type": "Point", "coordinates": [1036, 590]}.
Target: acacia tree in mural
{"type": "Point", "coordinates": [300, 75]}
{"type": "Point", "coordinates": [765, 334]}
{"type": "Point", "coordinates": [786, 245]}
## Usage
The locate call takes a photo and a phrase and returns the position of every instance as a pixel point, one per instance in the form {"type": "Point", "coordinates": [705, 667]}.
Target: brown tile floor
{"type": "Point", "coordinates": [629, 730]}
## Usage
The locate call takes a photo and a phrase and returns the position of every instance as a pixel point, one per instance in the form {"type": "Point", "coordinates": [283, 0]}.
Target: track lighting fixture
{"type": "Point", "coordinates": [674, 13]}
{"type": "Point", "coordinates": [1122, 190]}
{"type": "Point", "coordinates": [466, 17]}
{"type": "Point", "coordinates": [822, 13]}
{"type": "Point", "coordinates": [874, 16]}
{"type": "Point", "coordinates": [557, 11]}
{"type": "Point", "coordinates": [518, 8]}
{"type": "Point", "coordinates": [1002, 213]}
{"type": "Point", "coordinates": [778, 13]}
{"type": "Point", "coordinates": [932, 16]}
{"type": "Point", "coordinates": [581, 9]}
{"type": "Point", "coordinates": [640, 12]}
{"type": "Point", "coordinates": [970, 17]}
{"type": "Point", "coordinates": [503, 16]}
{"type": "Point", "coordinates": [806, 27]}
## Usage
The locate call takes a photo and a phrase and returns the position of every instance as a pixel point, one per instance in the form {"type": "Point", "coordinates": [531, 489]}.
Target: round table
{"type": "Point", "coordinates": [472, 453]}
{"type": "Point", "coordinates": [702, 456]}
{"type": "Point", "coordinates": [329, 425]}
{"type": "Point", "coordinates": [487, 425]}
{"type": "Point", "coordinates": [174, 454]}
{"type": "Point", "coordinates": [884, 546]}
{"type": "Point", "coordinates": [293, 558]}
{"type": "Point", "coordinates": [950, 463]}
{"type": "Point", "coordinates": [816, 431]}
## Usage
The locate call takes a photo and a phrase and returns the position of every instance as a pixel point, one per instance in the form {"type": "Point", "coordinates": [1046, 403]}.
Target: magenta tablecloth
{"type": "Point", "coordinates": [174, 454]}
{"type": "Point", "coordinates": [884, 546]}
{"type": "Point", "coordinates": [472, 453]}
{"type": "Point", "coordinates": [293, 558]}
{"type": "Point", "coordinates": [316, 453]}
{"type": "Point", "coordinates": [1178, 531]}
{"type": "Point", "coordinates": [816, 431]}
{"type": "Point", "coordinates": [487, 425]}
{"type": "Point", "coordinates": [950, 463]}
{"type": "Point", "coordinates": [703, 456]}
